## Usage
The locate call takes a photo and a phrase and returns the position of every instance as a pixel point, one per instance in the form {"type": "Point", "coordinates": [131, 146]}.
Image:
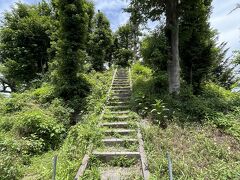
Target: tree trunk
{"type": "Point", "coordinates": [135, 41]}
{"type": "Point", "coordinates": [172, 34]}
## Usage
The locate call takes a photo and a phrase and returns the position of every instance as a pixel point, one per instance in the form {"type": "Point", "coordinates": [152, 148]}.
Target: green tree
{"type": "Point", "coordinates": [154, 10]}
{"type": "Point", "coordinates": [100, 42]}
{"type": "Point", "coordinates": [24, 41]}
{"type": "Point", "coordinates": [154, 51]}
{"type": "Point", "coordinates": [73, 28]}
{"type": "Point", "coordinates": [223, 74]}
{"type": "Point", "coordinates": [197, 46]}
{"type": "Point", "coordinates": [123, 44]}
{"type": "Point", "coordinates": [135, 20]}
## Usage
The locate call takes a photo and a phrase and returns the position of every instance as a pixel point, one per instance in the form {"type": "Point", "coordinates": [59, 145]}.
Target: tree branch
{"type": "Point", "coordinates": [237, 7]}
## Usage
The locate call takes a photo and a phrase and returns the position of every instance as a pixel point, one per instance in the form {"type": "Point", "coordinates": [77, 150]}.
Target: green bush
{"type": "Point", "coordinates": [9, 168]}
{"type": "Point", "coordinates": [230, 123]}
{"type": "Point", "coordinates": [140, 71]}
{"type": "Point", "coordinates": [36, 125]}
{"type": "Point", "coordinates": [61, 112]}
{"type": "Point", "coordinates": [6, 123]}
{"type": "Point", "coordinates": [16, 103]}
{"type": "Point", "coordinates": [124, 56]}
{"type": "Point", "coordinates": [43, 94]}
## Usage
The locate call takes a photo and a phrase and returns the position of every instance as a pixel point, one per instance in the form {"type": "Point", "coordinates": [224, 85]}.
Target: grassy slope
{"type": "Point", "coordinates": [28, 160]}
{"type": "Point", "coordinates": [207, 148]}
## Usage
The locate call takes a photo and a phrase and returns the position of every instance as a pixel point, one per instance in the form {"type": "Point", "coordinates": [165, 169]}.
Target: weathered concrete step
{"type": "Point", "coordinates": [122, 73]}
{"type": "Point", "coordinates": [119, 131]}
{"type": "Point", "coordinates": [119, 112]}
{"type": "Point", "coordinates": [121, 77]}
{"type": "Point", "coordinates": [108, 156]}
{"type": "Point", "coordinates": [117, 141]}
{"type": "Point", "coordinates": [119, 98]}
{"type": "Point", "coordinates": [121, 94]}
{"type": "Point", "coordinates": [121, 84]}
{"type": "Point", "coordinates": [121, 88]}
{"type": "Point", "coordinates": [117, 103]}
{"type": "Point", "coordinates": [116, 125]}
{"type": "Point", "coordinates": [120, 118]}
{"type": "Point", "coordinates": [117, 107]}
{"type": "Point", "coordinates": [121, 81]}
{"type": "Point", "coordinates": [121, 173]}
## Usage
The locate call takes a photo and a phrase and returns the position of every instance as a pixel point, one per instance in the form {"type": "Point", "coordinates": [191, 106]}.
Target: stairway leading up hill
{"type": "Point", "coordinates": [121, 155]}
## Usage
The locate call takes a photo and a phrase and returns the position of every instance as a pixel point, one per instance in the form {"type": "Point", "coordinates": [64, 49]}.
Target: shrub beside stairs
{"type": "Point", "coordinates": [121, 154]}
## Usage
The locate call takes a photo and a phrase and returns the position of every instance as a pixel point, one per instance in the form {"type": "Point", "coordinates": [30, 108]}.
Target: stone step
{"type": "Point", "coordinates": [119, 112]}
{"type": "Point", "coordinates": [117, 103]}
{"type": "Point", "coordinates": [120, 118]}
{"type": "Point", "coordinates": [120, 93]}
{"type": "Point", "coordinates": [117, 107]}
{"type": "Point", "coordinates": [121, 77]}
{"type": "Point", "coordinates": [120, 85]}
{"type": "Point", "coordinates": [122, 74]}
{"type": "Point", "coordinates": [121, 173]}
{"type": "Point", "coordinates": [125, 84]}
{"type": "Point", "coordinates": [116, 125]}
{"type": "Point", "coordinates": [108, 156]}
{"type": "Point", "coordinates": [121, 82]}
{"type": "Point", "coordinates": [119, 131]}
{"type": "Point", "coordinates": [117, 141]}
{"type": "Point", "coordinates": [117, 98]}
{"type": "Point", "coordinates": [121, 88]}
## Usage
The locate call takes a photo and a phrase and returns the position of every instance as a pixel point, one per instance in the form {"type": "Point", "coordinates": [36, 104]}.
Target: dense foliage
{"type": "Point", "coordinates": [214, 105]}
{"type": "Point", "coordinates": [197, 51]}
{"type": "Point", "coordinates": [53, 56]}
{"type": "Point", "coordinates": [25, 39]}
{"type": "Point", "coordinates": [196, 129]}
{"type": "Point", "coordinates": [123, 53]}
{"type": "Point", "coordinates": [34, 122]}
{"type": "Point", "coordinates": [69, 61]}
{"type": "Point", "coordinates": [100, 42]}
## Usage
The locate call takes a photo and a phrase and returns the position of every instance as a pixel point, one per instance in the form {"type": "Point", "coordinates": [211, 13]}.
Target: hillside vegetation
{"type": "Point", "coordinates": [57, 61]}
{"type": "Point", "coordinates": [35, 126]}
{"type": "Point", "coordinates": [201, 133]}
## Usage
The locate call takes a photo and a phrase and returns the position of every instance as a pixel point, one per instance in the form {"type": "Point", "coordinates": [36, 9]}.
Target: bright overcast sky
{"type": "Point", "coordinates": [228, 25]}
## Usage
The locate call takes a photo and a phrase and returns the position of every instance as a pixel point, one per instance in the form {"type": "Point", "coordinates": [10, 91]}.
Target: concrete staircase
{"type": "Point", "coordinates": [122, 137]}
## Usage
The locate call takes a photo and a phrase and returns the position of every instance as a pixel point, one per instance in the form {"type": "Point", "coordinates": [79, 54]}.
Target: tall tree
{"type": "Point", "coordinates": [135, 20]}
{"type": "Point", "coordinates": [73, 23]}
{"type": "Point", "coordinates": [100, 41]}
{"type": "Point", "coordinates": [172, 34]}
{"type": "Point", "coordinates": [224, 72]}
{"type": "Point", "coordinates": [24, 41]}
{"type": "Point", "coordinates": [154, 51]}
{"type": "Point", "coordinates": [198, 48]}
{"type": "Point", "coordinates": [123, 44]}
{"type": "Point", "coordinates": [153, 10]}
